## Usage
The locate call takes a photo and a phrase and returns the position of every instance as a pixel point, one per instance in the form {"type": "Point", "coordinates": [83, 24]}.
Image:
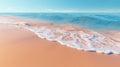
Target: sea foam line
{"type": "Point", "coordinates": [80, 40]}
{"type": "Point", "coordinates": [88, 42]}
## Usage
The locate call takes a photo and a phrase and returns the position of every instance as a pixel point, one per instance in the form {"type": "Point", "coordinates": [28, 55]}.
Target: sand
{"type": "Point", "coordinates": [22, 48]}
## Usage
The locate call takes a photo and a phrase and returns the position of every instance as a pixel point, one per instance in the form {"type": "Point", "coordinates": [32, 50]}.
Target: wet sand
{"type": "Point", "coordinates": [22, 48]}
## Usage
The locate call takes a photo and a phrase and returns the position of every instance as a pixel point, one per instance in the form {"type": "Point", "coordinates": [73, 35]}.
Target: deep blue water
{"type": "Point", "coordinates": [90, 20]}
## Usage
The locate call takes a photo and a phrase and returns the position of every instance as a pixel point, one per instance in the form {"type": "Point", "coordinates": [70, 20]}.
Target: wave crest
{"type": "Point", "coordinates": [82, 39]}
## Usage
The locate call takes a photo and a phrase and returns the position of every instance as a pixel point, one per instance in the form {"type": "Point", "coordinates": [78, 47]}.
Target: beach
{"type": "Point", "coordinates": [20, 47]}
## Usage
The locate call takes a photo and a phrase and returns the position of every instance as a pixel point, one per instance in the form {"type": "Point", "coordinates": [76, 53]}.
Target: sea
{"type": "Point", "coordinates": [105, 21]}
{"type": "Point", "coordinates": [87, 39]}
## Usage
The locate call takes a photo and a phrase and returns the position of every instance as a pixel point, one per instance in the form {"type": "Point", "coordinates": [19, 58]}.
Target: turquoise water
{"type": "Point", "coordinates": [91, 20]}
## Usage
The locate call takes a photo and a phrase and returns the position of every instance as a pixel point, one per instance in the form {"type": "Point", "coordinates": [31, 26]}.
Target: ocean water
{"type": "Point", "coordinates": [105, 21]}
{"type": "Point", "coordinates": [73, 36]}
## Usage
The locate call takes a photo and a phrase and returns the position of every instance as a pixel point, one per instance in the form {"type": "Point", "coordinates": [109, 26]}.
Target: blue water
{"type": "Point", "coordinates": [104, 21]}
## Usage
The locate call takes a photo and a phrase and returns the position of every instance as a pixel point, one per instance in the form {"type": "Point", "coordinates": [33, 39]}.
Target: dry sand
{"type": "Point", "coordinates": [22, 48]}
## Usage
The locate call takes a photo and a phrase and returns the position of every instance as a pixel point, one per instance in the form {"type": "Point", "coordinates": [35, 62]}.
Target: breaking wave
{"type": "Point", "coordinates": [79, 38]}
{"type": "Point", "coordinates": [73, 36]}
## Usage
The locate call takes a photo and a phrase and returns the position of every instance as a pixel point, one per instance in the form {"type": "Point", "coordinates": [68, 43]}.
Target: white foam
{"type": "Point", "coordinates": [93, 41]}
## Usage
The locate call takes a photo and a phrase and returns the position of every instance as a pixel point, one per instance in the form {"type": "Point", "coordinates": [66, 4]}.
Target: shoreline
{"type": "Point", "coordinates": [22, 48]}
{"type": "Point", "coordinates": [27, 50]}
{"type": "Point", "coordinates": [107, 42]}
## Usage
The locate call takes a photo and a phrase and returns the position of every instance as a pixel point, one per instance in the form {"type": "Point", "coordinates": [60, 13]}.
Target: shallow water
{"type": "Point", "coordinates": [74, 36]}
{"type": "Point", "coordinates": [105, 21]}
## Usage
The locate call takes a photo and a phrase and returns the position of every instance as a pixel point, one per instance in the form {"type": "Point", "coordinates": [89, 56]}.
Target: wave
{"type": "Point", "coordinates": [93, 21]}
{"type": "Point", "coordinates": [73, 36]}
{"type": "Point", "coordinates": [79, 38]}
